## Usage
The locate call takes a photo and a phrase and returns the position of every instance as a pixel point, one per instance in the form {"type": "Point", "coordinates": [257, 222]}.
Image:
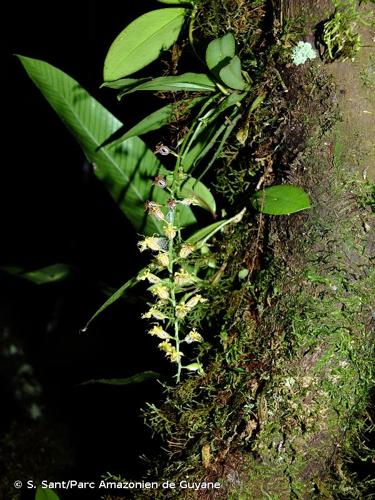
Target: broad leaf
{"type": "Point", "coordinates": [231, 74]}
{"type": "Point", "coordinates": [134, 379]}
{"type": "Point", "coordinates": [45, 494]}
{"type": "Point", "coordinates": [203, 235]}
{"type": "Point", "coordinates": [113, 298]}
{"type": "Point", "coordinates": [219, 52]}
{"type": "Point", "coordinates": [281, 200]}
{"type": "Point", "coordinates": [126, 170]}
{"type": "Point", "coordinates": [142, 41]}
{"type": "Point", "coordinates": [189, 82]}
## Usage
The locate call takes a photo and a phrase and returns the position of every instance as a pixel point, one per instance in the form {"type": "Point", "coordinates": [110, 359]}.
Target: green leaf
{"type": "Point", "coordinates": [208, 132]}
{"type": "Point", "coordinates": [142, 41]}
{"type": "Point", "coordinates": [49, 274]}
{"type": "Point", "coordinates": [231, 74]}
{"type": "Point", "coordinates": [113, 298]}
{"type": "Point", "coordinates": [203, 235]}
{"type": "Point", "coordinates": [126, 170]}
{"type": "Point", "coordinates": [45, 494]}
{"type": "Point", "coordinates": [134, 379]}
{"type": "Point", "coordinates": [220, 51]}
{"type": "Point", "coordinates": [123, 83]}
{"type": "Point", "coordinates": [158, 119]}
{"type": "Point", "coordinates": [281, 200]}
{"type": "Point", "coordinates": [192, 188]}
{"type": "Point", "coordinates": [189, 82]}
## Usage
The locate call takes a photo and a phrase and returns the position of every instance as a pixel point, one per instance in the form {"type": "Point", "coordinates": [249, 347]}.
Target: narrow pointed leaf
{"type": "Point", "coordinates": [219, 51]}
{"type": "Point", "coordinates": [203, 235]}
{"type": "Point", "coordinates": [210, 131]}
{"type": "Point", "coordinates": [142, 42]}
{"type": "Point", "coordinates": [113, 298]}
{"type": "Point", "coordinates": [134, 379]}
{"type": "Point", "coordinates": [126, 170]}
{"type": "Point", "coordinates": [281, 200]}
{"type": "Point", "coordinates": [158, 119]}
{"type": "Point", "coordinates": [189, 82]}
{"type": "Point", "coordinates": [124, 83]}
{"type": "Point", "coordinates": [231, 74]}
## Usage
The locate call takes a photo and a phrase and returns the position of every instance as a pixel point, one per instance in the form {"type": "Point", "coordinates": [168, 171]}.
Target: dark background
{"type": "Point", "coordinates": [53, 210]}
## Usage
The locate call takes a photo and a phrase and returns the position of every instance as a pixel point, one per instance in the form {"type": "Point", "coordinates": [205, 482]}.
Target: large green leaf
{"type": "Point", "coordinates": [126, 170]}
{"type": "Point", "coordinates": [142, 41]}
{"type": "Point", "coordinates": [188, 82]}
{"type": "Point", "coordinates": [220, 51]}
{"type": "Point", "coordinates": [45, 494]}
{"type": "Point", "coordinates": [281, 200]}
{"type": "Point", "coordinates": [231, 74]}
{"type": "Point", "coordinates": [134, 379]}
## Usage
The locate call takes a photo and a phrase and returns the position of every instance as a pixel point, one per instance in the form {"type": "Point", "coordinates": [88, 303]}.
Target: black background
{"type": "Point", "coordinates": [53, 210]}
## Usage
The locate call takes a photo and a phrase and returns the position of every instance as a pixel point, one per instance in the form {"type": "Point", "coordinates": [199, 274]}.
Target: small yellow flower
{"type": "Point", "coordinates": [154, 313]}
{"type": "Point", "coordinates": [175, 356]}
{"type": "Point", "coordinates": [154, 209]}
{"type": "Point", "coordinates": [170, 231]}
{"type": "Point", "coordinates": [193, 336]}
{"type": "Point", "coordinates": [189, 201]}
{"type": "Point", "coordinates": [150, 277]}
{"type": "Point", "coordinates": [160, 291]}
{"type": "Point", "coordinates": [186, 250]}
{"type": "Point", "coordinates": [158, 331]}
{"type": "Point", "coordinates": [183, 278]}
{"type": "Point", "coordinates": [181, 310]}
{"type": "Point", "coordinates": [196, 299]}
{"type": "Point", "coordinates": [152, 243]}
{"type": "Point", "coordinates": [162, 259]}
{"type": "Point", "coordinates": [170, 351]}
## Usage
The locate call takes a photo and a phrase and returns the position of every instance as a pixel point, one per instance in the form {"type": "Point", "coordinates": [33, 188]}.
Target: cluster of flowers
{"type": "Point", "coordinates": [176, 294]}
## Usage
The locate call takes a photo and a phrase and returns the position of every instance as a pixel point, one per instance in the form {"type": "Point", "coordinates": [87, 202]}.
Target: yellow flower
{"type": "Point", "coordinates": [152, 243]}
{"type": "Point", "coordinates": [181, 310]}
{"type": "Point", "coordinates": [154, 313]}
{"type": "Point", "coordinates": [147, 275]}
{"type": "Point", "coordinates": [154, 209]}
{"type": "Point", "coordinates": [170, 231]}
{"type": "Point", "coordinates": [158, 331]}
{"type": "Point", "coordinates": [186, 250]}
{"type": "Point", "coordinates": [194, 301]}
{"type": "Point", "coordinates": [189, 201]}
{"type": "Point", "coordinates": [170, 351]}
{"type": "Point", "coordinates": [162, 259]}
{"type": "Point", "coordinates": [166, 346]}
{"type": "Point", "coordinates": [160, 291]}
{"type": "Point", "coordinates": [193, 336]}
{"type": "Point", "coordinates": [183, 278]}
